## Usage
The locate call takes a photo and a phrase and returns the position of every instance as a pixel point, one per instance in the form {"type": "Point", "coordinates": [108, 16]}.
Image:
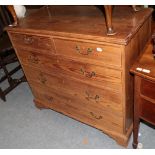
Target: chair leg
{"type": "Point", "coordinates": [108, 13]}
{"type": "Point", "coordinates": [7, 74]}
{"type": "Point", "coordinates": [2, 95]}
{"type": "Point", "coordinates": [10, 73]}
{"type": "Point", "coordinates": [12, 82]}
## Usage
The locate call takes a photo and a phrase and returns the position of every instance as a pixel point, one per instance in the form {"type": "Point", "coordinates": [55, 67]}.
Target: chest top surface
{"type": "Point", "coordinates": [145, 65]}
{"type": "Point", "coordinates": [86, 22]}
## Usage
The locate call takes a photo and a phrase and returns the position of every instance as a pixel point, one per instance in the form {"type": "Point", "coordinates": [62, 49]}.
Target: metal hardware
{"type": "Point", "coordinates": [87, 52]}
{"type": "Point", "coordinates": [96, 98]}
{"type": "Point", "coordinates": [33, 59]}
{"type": "Point", "coordinates": [28, 40]}
{"type": "Point", "coordinates": [87, 74]}
{"type": "Point", "coordinates": [95, 116]}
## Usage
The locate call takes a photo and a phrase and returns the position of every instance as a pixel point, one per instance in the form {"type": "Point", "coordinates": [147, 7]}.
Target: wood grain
{"type": "Point", "coordinates": [74, 68]}
{"type": "Point", "coordinates": [72, 86]}
{"type": "Point", "coordinates": [108, 55]}
{"type": "Point", "coordinates": [147, 89]}
{"type": "Point", "coordinates": [33, 42]}
{"type": "Point", "coordinates": [136, 45]}
{"type": "Point", "coordinates": [87, 72]}
{"type": "Point", "coordinates": [84, 22]}
{"type": "Point", "coordinates": [95, 115]}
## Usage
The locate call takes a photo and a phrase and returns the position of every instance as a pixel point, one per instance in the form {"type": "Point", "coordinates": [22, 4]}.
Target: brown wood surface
{"type": "Point", "coordinates": [110, 54]}
{"type": "Point", "coordinates": [108, 14]}
{"type": "Point", "coordinates": [147, 89]}
{"type": "Point", "coordinates": [147, 110]}
{"type": "Point", "coordinates": [144, 104]}
{"type": "Point", "coordinates": [136, 119]}
{"type": "Point", "coordinates": [132, 51]}
{"type": "Point", "coordinates": [53, 64]}
{"type": "Point", "coordinates": [13, 13]}
{"type": "Point", "coordinates": [33, 42]}
{"type": "Point", "coordinates": [69, 59]}
{"type": "Point", "coordinates": [94, 113]}
{"type": "Point", "coordinates": [74, 87]}
{"type": "Point", "coordinates": [145, 61]}
{"type": "Point", "coordinates": [84, 22]}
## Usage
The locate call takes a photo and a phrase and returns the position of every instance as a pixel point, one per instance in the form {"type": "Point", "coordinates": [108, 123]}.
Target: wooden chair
{"type": "Point", "coordinates": [108, 15]}
{"type": "Point", "coordinates": [7, 54]}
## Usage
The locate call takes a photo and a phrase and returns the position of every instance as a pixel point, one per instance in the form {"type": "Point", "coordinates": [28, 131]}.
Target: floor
{"type": "Point", "coordinates": [22, 125]}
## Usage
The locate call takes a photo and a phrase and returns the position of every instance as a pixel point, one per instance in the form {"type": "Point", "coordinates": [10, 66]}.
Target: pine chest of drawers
{"type": "Point", "coordinates": [74, 68]}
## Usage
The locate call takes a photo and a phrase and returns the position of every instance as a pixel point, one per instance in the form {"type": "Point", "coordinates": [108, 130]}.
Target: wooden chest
{"type": "Point", "coordinates": [74, 68]}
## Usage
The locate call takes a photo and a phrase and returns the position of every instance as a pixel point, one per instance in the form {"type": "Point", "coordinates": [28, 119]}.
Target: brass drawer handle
{"type": "Point", "coordinates": [42, 78]}
{"type": "Point", "coordinates": [87, 74]}
{"type": "Point", "coordinates": [87, 52]}
{"type": "Point", "coordinates": [28, 40]}
{"type": "Point", "coordinates": [95, 116]}
{"type": "Point", "coordinates": [33, 59]}
{"type": "Point", "coordinates": [95, 98]}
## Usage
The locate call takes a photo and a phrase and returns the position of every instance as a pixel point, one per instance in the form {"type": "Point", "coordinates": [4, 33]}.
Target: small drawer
{"type": "Point", "coordinates": [148, 88]}
{"type": "Point", "coordinates": [33, 41]}
{"type": "Point", "coordinates": [35, 58]}
{"type": "Point", "coordinates": [147, 111]}
{"type": "Point", "coordinates": [109, 55]}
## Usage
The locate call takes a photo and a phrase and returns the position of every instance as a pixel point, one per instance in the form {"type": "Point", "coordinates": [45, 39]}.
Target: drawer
{"type": "Point", "coordinates": [148, 89]}
{"type": "Point", "coordinates": [33, 41]}
{"type": "Point", "coordinates": [147, 111]}
{"type": "Point", "coordinates": [109, 55]}
{"type": "Point", "coordinates": [90, 94]}
{"type": "Point", "coordinates": [89, 73]}
{"type": "Point", "coordinates": [70, 106]}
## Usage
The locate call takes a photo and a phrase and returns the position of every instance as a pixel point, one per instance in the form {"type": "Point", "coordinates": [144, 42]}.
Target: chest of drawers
{"type": "Point", "coordinates": [74, 68]}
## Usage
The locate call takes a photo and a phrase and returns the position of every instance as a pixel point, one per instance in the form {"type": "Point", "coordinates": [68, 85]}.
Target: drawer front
{"type": "Point", "coordinates": [148, 89]}
{"type": "Point", "coordinates": [92, 53]}
{"type": "Point", "coordinates": [86, 72]}
{"type": "Point", "coordinates": [66, 104]}
{"type": "Point", "coordinates": [101, 97]}
{"type": "Point", "coordinates": [147, 111]}
{"type": "Point", "coordinates": [33, 41]}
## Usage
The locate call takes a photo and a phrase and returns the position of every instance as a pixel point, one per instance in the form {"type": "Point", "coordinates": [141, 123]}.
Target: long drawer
{"type": "Point", "coordinates": [101, 76]}
{"type": "Point", "coordinates": [101, 97]}
{"type": "Point", "coordinates": [33, 42]}
{"type": "Point", "coordinates": [77, 109]}
{"type": "Point", "coordinates": [110, 55]}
